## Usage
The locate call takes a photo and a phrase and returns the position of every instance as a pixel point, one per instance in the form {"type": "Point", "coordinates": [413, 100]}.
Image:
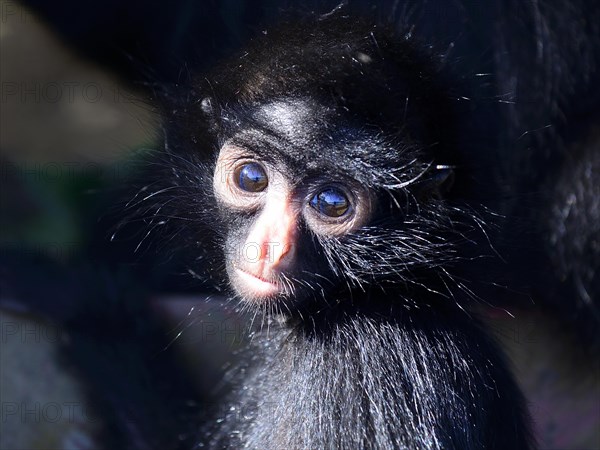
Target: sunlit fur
{"type": "Point", "coordinates": [368, 345]}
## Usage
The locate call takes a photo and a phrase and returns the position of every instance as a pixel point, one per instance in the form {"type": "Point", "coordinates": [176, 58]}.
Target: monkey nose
{"type": "Point", "coordinates": [271, 242]}
{"type": "Point", "coordinates": [276, 253]}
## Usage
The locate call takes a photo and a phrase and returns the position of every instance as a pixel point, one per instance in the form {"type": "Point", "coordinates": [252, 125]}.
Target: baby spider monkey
{"type": "Point", "coordinates": [315, 174]}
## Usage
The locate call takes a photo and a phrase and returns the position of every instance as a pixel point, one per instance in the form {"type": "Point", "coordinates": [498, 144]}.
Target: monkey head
{"type": "Point", "coordinates": [317, 163]}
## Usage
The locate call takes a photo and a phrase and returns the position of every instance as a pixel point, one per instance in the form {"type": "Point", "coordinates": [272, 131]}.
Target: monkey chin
{"type": "Point", "coordinates": [254, 289]}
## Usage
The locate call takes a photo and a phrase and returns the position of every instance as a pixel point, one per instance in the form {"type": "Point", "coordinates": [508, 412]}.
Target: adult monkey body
{"type": "Point", "coordinates": [321, 159]}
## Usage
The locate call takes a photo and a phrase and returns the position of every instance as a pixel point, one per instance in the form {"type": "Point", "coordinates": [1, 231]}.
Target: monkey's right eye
{"type": "Point", "coordinates": [251, 177]}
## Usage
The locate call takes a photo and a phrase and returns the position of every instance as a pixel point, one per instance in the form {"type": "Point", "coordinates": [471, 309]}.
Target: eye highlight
{"type": "Point", "coordinates": [331, 202]}
{"type": "Point", "coordinates": [251, 177]}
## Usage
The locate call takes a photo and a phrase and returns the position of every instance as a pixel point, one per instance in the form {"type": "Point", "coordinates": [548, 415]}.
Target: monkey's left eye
{"type": "Point", "coordinates": [331, 202]}
{"type": "Point", "coordinates": [251, 177]}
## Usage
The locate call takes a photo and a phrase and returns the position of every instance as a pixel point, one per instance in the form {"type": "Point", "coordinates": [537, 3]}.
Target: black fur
{"type": "Point", "coordinates": [476, 131]}
{"type": "Point", "coordinates": [547, 56]}
{"type": "Point", "coordinates": [373, 376]}
{"type": "Point", "coordinates": [370, 347]}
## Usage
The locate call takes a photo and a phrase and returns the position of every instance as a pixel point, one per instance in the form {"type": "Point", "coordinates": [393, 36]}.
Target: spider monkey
{"type": "Point", "coordinates": [320, 164]}
{"type": "Point", "coordinates": [331, 177]}
{"type": "Point", "coordinates": [330, 162]}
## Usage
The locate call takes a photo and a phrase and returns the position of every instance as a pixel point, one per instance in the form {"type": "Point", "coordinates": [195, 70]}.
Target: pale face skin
{"type": "Point", "coordinates": [243, 182]}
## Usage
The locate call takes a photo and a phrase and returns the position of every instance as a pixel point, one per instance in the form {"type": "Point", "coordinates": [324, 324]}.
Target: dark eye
{"type": "Point", "coordinates": [251, 177]}
{"type": "Point", "coordinates": [330, 202]}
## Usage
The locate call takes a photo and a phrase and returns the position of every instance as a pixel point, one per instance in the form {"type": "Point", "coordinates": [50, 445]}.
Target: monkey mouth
{"type": "Point", "coordinates": [253, 286]}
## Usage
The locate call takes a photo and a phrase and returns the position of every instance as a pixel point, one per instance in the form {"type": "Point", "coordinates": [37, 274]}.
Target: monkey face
{"type": "Point", "coordinates": [272, 248]}
{"type": "Point", "coordinates": [314, 173]}
{"type": "Point", "coordinates": [310, 204]}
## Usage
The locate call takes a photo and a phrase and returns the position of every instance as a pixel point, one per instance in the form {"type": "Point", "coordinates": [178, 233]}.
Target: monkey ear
{"type": "Point", "coordinates": [207, 107]}
{"type": "Point", "coordinates": [210, 111]}
{"type": "Point", "coordinates": [436, 183]}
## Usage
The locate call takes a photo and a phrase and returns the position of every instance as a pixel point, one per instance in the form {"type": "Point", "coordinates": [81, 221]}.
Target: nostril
{"type": "Point", "coordinates": [287, 251]}
{"type": "Point", "coordinates": [280, 253]}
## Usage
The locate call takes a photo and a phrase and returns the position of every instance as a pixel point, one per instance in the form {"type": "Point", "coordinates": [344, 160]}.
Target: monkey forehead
{"type": "Point", "coordinates": [310, 139]}
{"type": "Point", "coordinates": [302, 125]}
{"type": "Point", "coordinates": [291, 118]}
